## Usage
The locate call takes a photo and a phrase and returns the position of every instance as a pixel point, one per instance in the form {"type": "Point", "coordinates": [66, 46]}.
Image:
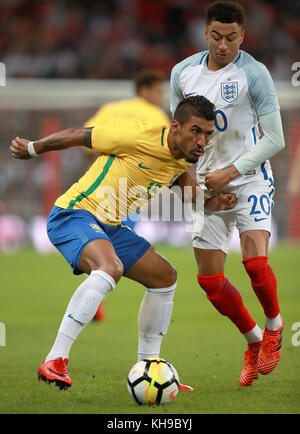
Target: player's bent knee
{"type": "Point", "coordinates": [169, 278]}
{"type": "Point", "coordinates": [172, 276]}
{"type": "Point", "coordinates": [112, 267]}
{"type": "Point", "coordinates": [164, 277]}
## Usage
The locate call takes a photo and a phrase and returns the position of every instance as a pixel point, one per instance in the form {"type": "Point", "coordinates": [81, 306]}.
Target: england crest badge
{"type": "Point", "coordinates": [229, 91]}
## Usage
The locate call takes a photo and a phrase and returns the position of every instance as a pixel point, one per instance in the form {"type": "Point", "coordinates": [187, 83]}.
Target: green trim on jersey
{"type": "Point", "coordinates": [96, 184]}
{"type": "Point", "coordinates": [162, 136]}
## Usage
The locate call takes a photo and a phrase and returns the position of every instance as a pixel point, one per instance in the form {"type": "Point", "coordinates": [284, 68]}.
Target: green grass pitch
{"type": "Point", "coordinates": [204, 347]}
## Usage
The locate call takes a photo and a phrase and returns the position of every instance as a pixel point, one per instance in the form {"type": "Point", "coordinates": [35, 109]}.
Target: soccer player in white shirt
{"type": "Point", "coordinates": [237, 160]}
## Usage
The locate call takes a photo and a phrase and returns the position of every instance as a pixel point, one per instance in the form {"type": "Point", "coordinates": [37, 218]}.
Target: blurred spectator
{"type": "Point", "coordinates": [145, 105]}
{"type": "Point", "coordinates": [116, 38]}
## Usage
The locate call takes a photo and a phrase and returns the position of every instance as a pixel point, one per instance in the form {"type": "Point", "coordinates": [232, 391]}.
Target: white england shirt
{"type": "Point", "coordinates": [242, 91]}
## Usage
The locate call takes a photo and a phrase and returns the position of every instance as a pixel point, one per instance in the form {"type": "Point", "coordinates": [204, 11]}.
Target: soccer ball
{"type": "Point", "coordinates": [153, 381]}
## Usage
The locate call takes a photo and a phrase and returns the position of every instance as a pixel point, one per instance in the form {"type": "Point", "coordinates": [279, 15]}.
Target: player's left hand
{"type": "Point", "coordinates": [218, 179]}
{"type": "Point", "coordinates": [19, 148]}
{"type": "Point", "coordinates": [221, 202]}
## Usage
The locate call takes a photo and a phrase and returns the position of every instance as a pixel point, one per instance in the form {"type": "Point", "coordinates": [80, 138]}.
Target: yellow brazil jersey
{"type": "Point", "coordinates": [137, 109]}
{"type": "Point", "coordinates": [134, 165]}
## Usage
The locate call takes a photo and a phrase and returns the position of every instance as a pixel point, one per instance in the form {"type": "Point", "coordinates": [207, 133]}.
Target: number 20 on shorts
{"type": "Point", "coordinates": [261, 206]}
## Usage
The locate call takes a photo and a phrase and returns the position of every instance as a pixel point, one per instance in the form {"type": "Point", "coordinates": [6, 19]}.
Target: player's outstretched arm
{"type": "Point", "coordinates": [25, 149]}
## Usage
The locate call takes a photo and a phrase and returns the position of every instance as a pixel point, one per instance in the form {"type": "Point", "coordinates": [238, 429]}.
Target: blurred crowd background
{"type": "Point", "coordinates": [88, 41]}
{"type": "Point", "coordinates": [115, 38]}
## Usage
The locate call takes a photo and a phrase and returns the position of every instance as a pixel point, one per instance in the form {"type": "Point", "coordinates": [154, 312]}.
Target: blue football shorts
{"type": "Point", "coordinates": [70, 230]}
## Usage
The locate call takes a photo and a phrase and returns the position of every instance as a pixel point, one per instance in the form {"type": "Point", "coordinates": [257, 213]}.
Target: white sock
{"type": "Point", "coordinates": [153, 320]}
{"type": "Point", "coordinates": [274, 323]}
{"type": "Point", "coordinates": [254, 335]}
{"type": "Point", "coordinates": [61, 347]}
{"type": "Point", "coordinates": [80, 311]}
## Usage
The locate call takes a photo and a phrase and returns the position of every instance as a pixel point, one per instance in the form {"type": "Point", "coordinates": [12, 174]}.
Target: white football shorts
{"type": "Point", "coordinates": [253, 211]}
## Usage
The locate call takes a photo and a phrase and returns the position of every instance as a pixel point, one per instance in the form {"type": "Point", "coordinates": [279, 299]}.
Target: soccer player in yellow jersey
{"type": "Point", "coordinates": [145, 106]}
{"type": "Point", "coordinates": [137, 161]}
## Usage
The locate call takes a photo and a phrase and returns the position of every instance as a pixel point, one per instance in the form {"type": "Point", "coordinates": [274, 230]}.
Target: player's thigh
{"type": "Point", "coordinates": [254, 243]}
{"type": "Point", "coordinates": [212, 242]}
{"type": "Point", "coordinates": [210, 261]}
{"type": "Point", "coordinates": [254, 217]}
{"type": "Point", "coordinates": [100, 255]}
{"type": "Point", "coordinates": [153, 270]}
{"type": "Point", "coordinates": [82, 242]}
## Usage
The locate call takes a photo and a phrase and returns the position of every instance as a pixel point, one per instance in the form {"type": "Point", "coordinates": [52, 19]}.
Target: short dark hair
{"type": "Point", "coordinates": [148, 78]}
{"type": "Point", "coordinates": [195, 106]}
{"type": "Point", "coordinates": [225, 12]}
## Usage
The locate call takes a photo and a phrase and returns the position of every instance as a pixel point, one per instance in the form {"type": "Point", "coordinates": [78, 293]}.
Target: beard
{"type": "Point", "coordinates": [192, 160]}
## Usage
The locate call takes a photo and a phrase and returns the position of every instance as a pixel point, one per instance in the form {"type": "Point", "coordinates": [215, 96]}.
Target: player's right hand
{"type": "Point", "coordinates": [19, 148]}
